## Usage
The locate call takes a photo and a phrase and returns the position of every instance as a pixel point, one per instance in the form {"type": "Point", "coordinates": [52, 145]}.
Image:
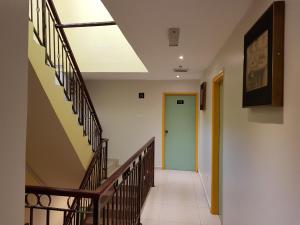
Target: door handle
{"type": "Point", "coordinates": [166, 131]}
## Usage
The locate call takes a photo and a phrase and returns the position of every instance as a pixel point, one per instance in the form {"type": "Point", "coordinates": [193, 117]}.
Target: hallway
{"type": "Point", "coordinates": [178, 198]}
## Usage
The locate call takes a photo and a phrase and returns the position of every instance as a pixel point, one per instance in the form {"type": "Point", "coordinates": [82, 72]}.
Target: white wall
{"type": "Point", "coordinates": [130, 122]}
{"type": "Point", "coordinates": [13, 100]}
{"type": "Point", "coordinates": [261, 145]}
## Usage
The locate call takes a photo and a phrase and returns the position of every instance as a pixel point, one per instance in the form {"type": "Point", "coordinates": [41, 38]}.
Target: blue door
{"type": "Point", "coordinates": [180, 132]}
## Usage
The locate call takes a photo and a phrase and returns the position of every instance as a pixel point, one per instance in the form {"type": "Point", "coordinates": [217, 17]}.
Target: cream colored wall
{"type": "Point", "coordinates": [261, 145]}
{"type": "Point", "coordinates": [47, 141]}
{"type": "Point", "coordinates": [61, 106]}
{"type": "Point", "coordinates": [13, 109]}
{"type": "Point", "coordinates": [128, 122]}
{"type": "Point", "coordinates": [32, 178]}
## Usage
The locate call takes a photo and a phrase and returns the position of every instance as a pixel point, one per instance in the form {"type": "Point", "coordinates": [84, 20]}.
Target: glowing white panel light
{"type": "Point", "coordinates": [97, 49]}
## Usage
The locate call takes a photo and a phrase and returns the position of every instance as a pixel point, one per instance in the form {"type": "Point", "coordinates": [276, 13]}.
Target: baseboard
{"type": "Point", "coordinates": [205, 191]}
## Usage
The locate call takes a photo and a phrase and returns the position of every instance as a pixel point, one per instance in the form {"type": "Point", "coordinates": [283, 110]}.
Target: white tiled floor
{"type": "Point", "coordinates": [177, 199]}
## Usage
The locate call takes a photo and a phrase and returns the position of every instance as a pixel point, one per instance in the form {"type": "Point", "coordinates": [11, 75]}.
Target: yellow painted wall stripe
{"type": "Point", "coordinates": [215, 142]}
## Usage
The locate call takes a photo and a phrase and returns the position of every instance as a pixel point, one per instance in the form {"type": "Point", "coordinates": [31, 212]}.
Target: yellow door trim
{"type": "Point", "coordinates": [217, 80]}
{"type": "Point", "coordinates": [163, 123]}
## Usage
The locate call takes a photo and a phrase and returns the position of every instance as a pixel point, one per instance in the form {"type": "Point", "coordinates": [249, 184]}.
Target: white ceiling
{"type": "Point", "coordinates": [205, 26]}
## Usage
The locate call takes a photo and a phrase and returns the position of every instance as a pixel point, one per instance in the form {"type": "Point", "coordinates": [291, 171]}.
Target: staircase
{"type": "Point", "coordinates": [53, 63]}
{"type": "Point", "coordinates": [100, 199]}
{"type": "Point", "coordinates": [59, 57]}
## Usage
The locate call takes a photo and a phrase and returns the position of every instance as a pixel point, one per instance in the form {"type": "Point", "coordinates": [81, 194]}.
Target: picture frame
{"type": "Point", "coordinates": [203, 96]}
{"type": "Point", "coordinates": [263, 70]}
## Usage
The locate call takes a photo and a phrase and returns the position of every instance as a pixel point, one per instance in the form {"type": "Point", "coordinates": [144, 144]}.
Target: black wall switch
{"type": "Point", "coordinates": [141, 95]}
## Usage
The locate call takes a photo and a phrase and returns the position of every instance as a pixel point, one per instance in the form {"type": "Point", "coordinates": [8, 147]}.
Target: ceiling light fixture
{"type": "Point", "coordinates": [181, 57]}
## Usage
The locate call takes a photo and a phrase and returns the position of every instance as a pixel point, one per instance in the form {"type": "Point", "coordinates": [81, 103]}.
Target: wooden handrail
{"type": "Point", "coordinates": [68, 192]}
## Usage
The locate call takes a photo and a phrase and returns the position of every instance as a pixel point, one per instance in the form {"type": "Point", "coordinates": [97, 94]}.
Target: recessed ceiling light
{"type": "Point", "coordinates": [181, 57]}
{"type": "Point", "coordinates": [178, 76]}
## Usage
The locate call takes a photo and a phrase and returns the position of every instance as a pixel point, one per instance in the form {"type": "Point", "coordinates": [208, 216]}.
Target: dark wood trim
{"type": "Point", "coordinates": [272, 94]}
{"type": "Point", "coordinates": [90, 24]}
{"type": "Point", "coordinates": [278, 53]}
{"type": "Point", "coordinates": [61, 191]}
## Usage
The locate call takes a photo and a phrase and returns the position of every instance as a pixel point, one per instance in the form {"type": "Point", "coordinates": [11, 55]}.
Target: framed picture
{"type": "Point", "coordinates": [203, 96]}
{"type": "Point", "coordinates": [264, 59]}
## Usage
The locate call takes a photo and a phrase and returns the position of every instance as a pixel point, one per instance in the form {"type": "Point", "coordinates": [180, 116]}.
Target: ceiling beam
{"type": "Point", "coordinates": [92, 24]}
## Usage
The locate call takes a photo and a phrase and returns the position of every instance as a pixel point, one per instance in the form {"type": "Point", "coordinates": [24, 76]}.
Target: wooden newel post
{"type": "Point", "coordinates": [106, 148]}
{"type": "Point", "coordinates": [96, 212]}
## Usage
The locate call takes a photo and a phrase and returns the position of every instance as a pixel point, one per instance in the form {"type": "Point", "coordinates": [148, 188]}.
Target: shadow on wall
{"type": "Point", "coordinates": [266, 114]}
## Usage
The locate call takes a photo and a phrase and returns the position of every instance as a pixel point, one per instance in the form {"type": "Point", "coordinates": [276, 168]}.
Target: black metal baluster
{"type": "Point", "coordinates": [103, 216]}
{"type": "Point", "coordinates": [105, 158]}
{"type": "Point", "coordinates": [58, 59]}
{"type": "Point", "coordinates": [85, 120]}
{"type": "Point", "coordinates": [54, 46]}
{"type": "Point", "coordinates": [47, 217]}
{"type": "Point", "coordinates": [139, 186]}
{"type": "Point", "coordinates": [44, 28]}
{"type": "Point", "coordinates": [38, 18]}
{"type": "Point", "coordinates": [123, 202]}
{"type": "Point", "coordinates": [77, 214]}
{"type": "Point", "coordinates": [64, 218]}
{"type": "Point", "coordinates": [82, 101]}
{"type": "Point", "coordinates": [93, 134]}
{"type": "Point", "coordinates": [62, 65]}
{"type": "Point", "coordinates": [117, 205]}
{"type": "Point", "coordinates": [126, 199]}
{"type": "Point", "coordinates": [131, 196]}
{"type": "Point", "coordinates": [49, 38]}
{"type": "Point", "coordinates": [66, 73]}
{"type": "Point", "coordinates": [74, 93]}
{"type": "Point", "coordinates": [89, 126]}
{"type": "Point", "coordinates": [31, 216]}
{"type": "Point", "coordinates": [68, 80]}
{"type": "Point", "coordinates": [113, 208]}
{"type": "Point", "coordinates": [107, 212]}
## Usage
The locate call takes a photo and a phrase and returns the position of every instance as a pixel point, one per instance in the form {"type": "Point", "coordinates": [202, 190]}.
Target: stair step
{"type": "Point", "coordinates": [112, 166]}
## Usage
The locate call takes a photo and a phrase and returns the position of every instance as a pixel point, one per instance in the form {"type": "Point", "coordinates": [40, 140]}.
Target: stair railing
{"type": "Point", "coordinates": [94, 176]}
{"type": "Point", "coordinates": [59, 56]}
{"type": "Point", "coordinates": [123, 194]}
{"type": "Point", "coordinates": [97, 170]}
{"type": "Point", "coordinates": [119, 200]}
